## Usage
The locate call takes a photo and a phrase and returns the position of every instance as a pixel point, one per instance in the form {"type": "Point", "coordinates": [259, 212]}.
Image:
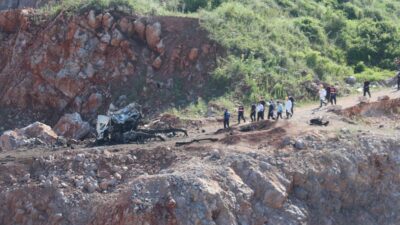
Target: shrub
{"type": "Point", "coordinates": [360, 67]}
{"type": "Point", "coordinates": [312, 29]}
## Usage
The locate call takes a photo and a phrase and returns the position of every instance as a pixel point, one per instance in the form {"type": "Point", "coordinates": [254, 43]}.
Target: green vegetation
{"type": "Point", "coordinates": [275, 46]}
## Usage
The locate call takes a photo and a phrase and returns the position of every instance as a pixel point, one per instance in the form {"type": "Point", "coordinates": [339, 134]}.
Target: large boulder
{"type": "Point", "coordinates": [72, 126]}
{"type": "Point", "coordinates": [34, 134]}
{"type": "Point", "coordinates": [94, 102]}
{"type": "Point", "coordinates": [153, 35]}
{"type": "Point", "coordinates": [41, 131]}
{"type": "Point", "coordinates": [10, 140]}
{"type": "Point", "coordinates": [351, 80]}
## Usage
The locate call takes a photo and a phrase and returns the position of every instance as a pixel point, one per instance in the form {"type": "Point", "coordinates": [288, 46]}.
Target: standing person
{"type": "Point", "coordinates": [241, 114]}
{"type": "Point", "coordinates": [253, 112]}
{"type": "Point", "coordinates": [322, 96]}
{"type": "Point", "coordinates": [333, 92]}
{"type": "Point", "coordinates": [292, 100]}
{"type": "Point", "coordinates": [279, 110]}
{"type": "Point", "coordinates": [328, 94]}
{"type": "Point", "coordinates": [288, 106]}
{"type": "Point", "coordinates": [366, 89]}
{"type": "Point", "coordinates": [260, 112]}
{"type": "Point", "coordinates": [227, 116]}
{"type": "Point", "coordinates": [398, 81]}
{"type": "Point", "coordinates": [271, 109]}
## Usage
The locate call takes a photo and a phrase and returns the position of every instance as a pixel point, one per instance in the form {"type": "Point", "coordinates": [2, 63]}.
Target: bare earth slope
{"type": "Point", "coordinates": [283, 172]}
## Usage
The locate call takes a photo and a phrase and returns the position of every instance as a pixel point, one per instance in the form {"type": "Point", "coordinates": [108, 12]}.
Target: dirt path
{"type": "Point", "coordinates": [302, 115]}
{"type": "Point", "coordinates": [293, 127]}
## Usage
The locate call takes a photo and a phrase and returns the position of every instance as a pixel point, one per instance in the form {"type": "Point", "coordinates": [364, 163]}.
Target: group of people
{"type": "Point", "coordinates": [327, 94]}
{"type": "Point", "coordinates": [257, 111]}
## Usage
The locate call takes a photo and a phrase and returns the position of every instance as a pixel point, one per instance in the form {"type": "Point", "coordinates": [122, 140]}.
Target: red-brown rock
{"type": "Point", "coordinates": [72, 126]}
{"type": "Point", "coordinates": [153, 35]}
{"type": "Point", "coordinates": [157, 63]}
{"type": "Point", "coordinates": [193, 54]}
{"type": "Point", "coordinates": [94, 102]}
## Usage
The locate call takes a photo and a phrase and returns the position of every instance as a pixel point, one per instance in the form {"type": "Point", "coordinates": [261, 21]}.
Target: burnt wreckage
{"type": "Point", "coordinates": [121, 127]}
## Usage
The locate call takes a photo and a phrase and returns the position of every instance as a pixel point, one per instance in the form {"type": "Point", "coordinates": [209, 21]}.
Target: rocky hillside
{"type": "Point", "coordinates": [83, 62]}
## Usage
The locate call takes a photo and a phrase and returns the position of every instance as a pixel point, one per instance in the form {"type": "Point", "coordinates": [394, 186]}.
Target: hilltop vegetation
{"type": "Point", "coordinates": [273, 46]}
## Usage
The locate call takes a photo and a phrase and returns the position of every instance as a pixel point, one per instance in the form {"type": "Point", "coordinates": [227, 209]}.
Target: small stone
{"type": "Point", "coordinates": [193, 54]}
{"type": "Point", "coordinates": [286, 141]}
{"type": "Point", "coordinates": [157, 63]}
{"type": "Point", "coordinates": [26, 177]}
{"type": "Point", "coordinates": [118, 176]}
{"type": "Point", "coordinates": [345, 130]}
{"type": "Point", "coordinates": [215, 154]}
{"type": "Point", "coordinates": [42, 178]}
{"type": "Point", "coordinates": [48, 183]}
{"type": "Point", "coordinates": [79, 157]}
{"type": "Point", "coordinates": [91, 186]}
{"type": "Point", "coordinates": [299, 144]}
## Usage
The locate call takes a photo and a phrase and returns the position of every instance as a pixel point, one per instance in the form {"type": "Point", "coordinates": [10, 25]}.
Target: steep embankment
{"type": "Point", "coordinates": [81, 63]}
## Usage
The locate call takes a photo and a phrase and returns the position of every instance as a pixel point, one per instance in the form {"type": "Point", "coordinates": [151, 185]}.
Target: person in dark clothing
{"type": "Point", "coordinates": [328, 93]}
{"type": "Point", "coordinates": [292, 100]}
{"type": "Point", "coordinates": [366, 88]}
{"type": "Point", "coordinates": [227, 116]}
{"type": "Point", "coordinates": [333, 93]}
{"type": "Point", "coordinates": [271, 109]}
{"type": "Point", "coordinates": [398, 81]}
{"type": "Point", "coordinates": [241, 114]}
{"type": "Point", "coordinates": [263, 103]}
{"type": "Point", "coordinates": [253, 112]}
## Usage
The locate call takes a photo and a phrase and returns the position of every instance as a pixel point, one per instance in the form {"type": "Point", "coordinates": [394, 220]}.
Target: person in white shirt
{"type": "Point", "coordinates": [288, 107]}
{"type": "Point", "coordinates": [322, 96]}
{"type": "Point", "coordinates": [260, 112]}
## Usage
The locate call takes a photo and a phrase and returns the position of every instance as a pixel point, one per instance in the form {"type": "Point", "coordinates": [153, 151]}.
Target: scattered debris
{"type": "Point", "coordinates": [196, 140]}
{"type": "Point", "coordinates": [121, 126]}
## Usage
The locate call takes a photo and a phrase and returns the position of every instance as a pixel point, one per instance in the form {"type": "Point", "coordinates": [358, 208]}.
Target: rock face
{"type": "Point", "coordinates": [72, 126]}
{"type": "Point", "coordinates": [349, 182]}
{"type": "Point", "coordinates": [82, 63]}
{"type": "Point", "coordinates": [36, 133]}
